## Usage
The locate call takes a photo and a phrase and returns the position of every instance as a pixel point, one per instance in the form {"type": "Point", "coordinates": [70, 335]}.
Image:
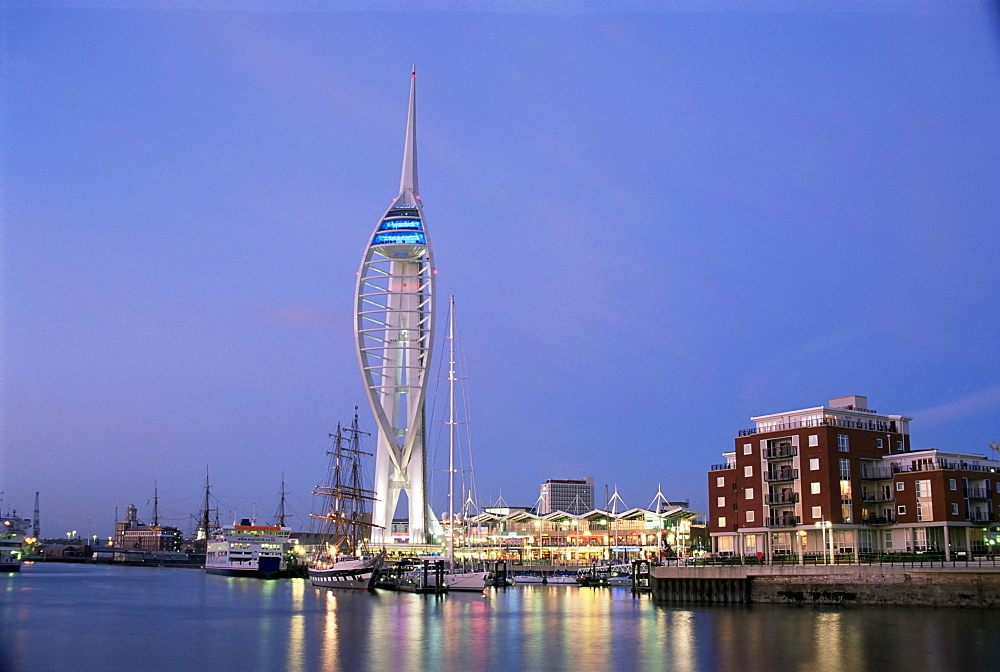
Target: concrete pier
{"type": "Point", "coordinates": [840, 584]}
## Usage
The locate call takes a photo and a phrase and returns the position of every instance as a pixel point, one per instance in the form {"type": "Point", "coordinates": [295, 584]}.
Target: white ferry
{"type": "Point", "coordinates": [12, 533]}
{"type": "Point", "coordinates": [256, 551]}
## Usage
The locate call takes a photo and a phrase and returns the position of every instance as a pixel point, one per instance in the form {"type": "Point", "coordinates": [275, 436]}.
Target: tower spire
{"type": "Point", "coordinates": [408, 179]}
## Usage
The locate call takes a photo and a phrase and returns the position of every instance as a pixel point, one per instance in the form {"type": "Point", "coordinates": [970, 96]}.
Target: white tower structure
{"type": "Point", "coordinates": [394, 333]}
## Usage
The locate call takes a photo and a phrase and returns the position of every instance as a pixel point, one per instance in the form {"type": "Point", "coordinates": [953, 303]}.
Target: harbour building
{"type": "Point", "coordinates": [842, 481]}
{"type": "Point", "coordinates": [570, 495]}
{"type": "Point", "coordinates": [394, 335]}
{"type": "Point", "coordinates": [131, 533]}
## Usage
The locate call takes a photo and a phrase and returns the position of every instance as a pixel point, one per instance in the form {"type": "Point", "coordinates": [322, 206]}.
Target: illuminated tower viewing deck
{"type": "Point", "coordinates": [394, 334]}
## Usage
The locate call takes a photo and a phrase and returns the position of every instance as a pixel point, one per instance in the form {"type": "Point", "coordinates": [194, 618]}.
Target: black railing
{"type": "Point", "coordinates": [877, 521]}
{"type": "Point", "coordinates": [877, 499]}
{"type": "Point", "coordinates": [781, 498]}
{"type": "Point", "coordinates": [783, 521]}
{"type": "Point", "coordinates": [977, 493]}
{"type": "Point", "coordinates": [876, 473]}
{"type": "Point", "coordinates": [780, 452]}
{"type": "Point", "coordinates": [718, 467]}
{"type": "Point", "coordinates": [980, 516]}
{"type": "Point", "coordinates": [781, 475]}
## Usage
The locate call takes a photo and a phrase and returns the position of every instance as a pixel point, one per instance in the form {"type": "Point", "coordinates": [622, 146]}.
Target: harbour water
{"type": "Point", "coordinates": [87, 617]}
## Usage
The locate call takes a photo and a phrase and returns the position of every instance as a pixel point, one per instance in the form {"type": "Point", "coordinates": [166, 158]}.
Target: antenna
{"type": "Point", "coordinates": [156, 506]}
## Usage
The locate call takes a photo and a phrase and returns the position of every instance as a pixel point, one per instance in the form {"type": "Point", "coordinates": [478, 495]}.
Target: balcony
{"type": "Point", "coordinates": [780, 452]}
{"type": "Point", "coordinates": [876, 473]}
{"type": "Point", "coordinates": [719, 467]}
{"type": "Point", "coordinates": [878, 521]}
{"type": "Point", "coordinates": [783, 521]}
{"type": "Point", "coordinates": [873, 424]}
{"type": "Point", "coordinates": [781, 475]}
{"type": "Point", "coordinates": [977, 493]}
{"type": "Point", "coordinates": [980, 517]}
{"type": "Point", "coordinates": [781, 499]}
{"type": "Point", "coordinates": [881, 498]}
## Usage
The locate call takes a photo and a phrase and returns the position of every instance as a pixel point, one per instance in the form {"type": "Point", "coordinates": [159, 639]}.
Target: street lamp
{"type": "Point", "coordinates": [824, 525]}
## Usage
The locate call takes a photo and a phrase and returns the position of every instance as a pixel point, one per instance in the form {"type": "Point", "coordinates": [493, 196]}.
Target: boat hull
{"type": "Point", "coordinates": [10, 566]}
{"type": "Point", "coordinates": [245, 572]}
{"type": "Point", "coordinates": [349, 575]}
{"type": "Point", "coordinates": [471, 582]}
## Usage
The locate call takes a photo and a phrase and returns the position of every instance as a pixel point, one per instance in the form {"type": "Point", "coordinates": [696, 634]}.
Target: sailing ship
{"type": "Point", "coordinates": [13, 531]}
{"type": "Point", "coordinates": [344, 561]}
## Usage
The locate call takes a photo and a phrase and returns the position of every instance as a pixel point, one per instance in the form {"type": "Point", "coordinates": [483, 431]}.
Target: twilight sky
{"type": "Point", "coordinates": [658, 218]}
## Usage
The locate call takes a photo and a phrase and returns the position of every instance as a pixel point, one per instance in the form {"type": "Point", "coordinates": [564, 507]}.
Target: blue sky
{"type": "Point", "coordinates": [658, 219]}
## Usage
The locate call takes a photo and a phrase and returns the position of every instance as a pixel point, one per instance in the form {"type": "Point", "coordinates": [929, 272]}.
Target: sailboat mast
{"type": "Point", "coordinates": [451, 431]}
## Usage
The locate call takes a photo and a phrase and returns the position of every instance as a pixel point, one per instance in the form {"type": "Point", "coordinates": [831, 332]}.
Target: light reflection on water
{"type": "Point", "coordinates": [95, 618]}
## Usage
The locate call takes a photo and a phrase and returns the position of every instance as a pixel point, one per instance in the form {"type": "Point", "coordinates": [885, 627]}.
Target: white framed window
{"type": "Point", "coordinates": [813, 464]}
{"type": "Point", "coordinates": [722, 521]}
{"type": "Point", "coordinates": [878, 444]}
{"type": "Point", "coordinates": [899, 486]}
{"type": "Point", "coordinates": [720, 501]}
{"type": "Point", "coordinates": [923, 488]}
{"type": "Point", "coordinates": [817, 512]}
{"type": "Point", "coordinates": [748, 470]}
{"type": "Point", "coordinates": [954, 509]}
{"type": "Point", "coordinates": [901, 510]}
{"type": "Point", "coordinates": [899, 446]}
{"type": "Point", "coordinates": [843, 443]}
{"type": "Point", "coordinates": [749, 516]}
{"type": "Point", "coordinates": [814, 487]}
{"type": "Point", "coordinates": [887, 540]}
{"type": "Point", "coordinates": [720, 481]}
{"type": "Point", "coordinates": [748, 493]}
{"type": "Point", "coordinates": [845, 469]}
{"type": "Point", "coordinates": [998, 487]}
{"type": "Point", "coordinates": [747, 449]}
{"type": "Point", "coordinates": [814, 439]}
{"type": "Point", "coordinates": [952, 484]}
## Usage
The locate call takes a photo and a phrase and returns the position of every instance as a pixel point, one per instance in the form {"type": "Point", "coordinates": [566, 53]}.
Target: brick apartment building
{"type": "Point", "coordinates": [843, 479]}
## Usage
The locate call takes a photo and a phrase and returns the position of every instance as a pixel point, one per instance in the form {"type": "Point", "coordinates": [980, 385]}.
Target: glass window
{"type": "Point", "coordinates": [720, 481]}
{"type": "Point", "coordinates": [814, 487]}
{"type": "Point", "coordinates": [899, 485]}
{"type": "Point", "coordinates": [748, 493]}
{"type": "Point", "coordinates": [843, 442]}
{"type": "Point", "coordinates": [887, 540]}
{"type": "Point", "coordinates": [817, 512]}
{"type": "Point", "coordinates": [952, 484]}
{"type": "Point", "coordinates": [923, 488]}
{"type": "Point", "coordinates": [878, 443]}
{"type": "Point", "coordinates": [747, 449]}
{"type": "Point", "coordinates": [721, 501]}
{"type": "Point", "coordinates": [901, 510]}
{"type": "Point", "coordinates": [749, 516]}
{"type": "Point", "coordinates": [924, 511]}
{"type": "Point", "coordinates": [899, 446]}
{"type": "Point", "coordinates": [846, 512]}
{"type": "Point", "coordinates": [845, 468]}
{"type": "Point", "coordinates": [748, 470]}
{"type": "Point", "coordinates": [722, 521]}
{"type": "Point", "coordinates": [813, 464]}
{"type": "Point", "coordinates": [814, 439]}
{"type": "Point", "coordinates": [954, 509]}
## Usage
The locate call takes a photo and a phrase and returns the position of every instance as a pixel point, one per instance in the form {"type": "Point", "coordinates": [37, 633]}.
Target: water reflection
{"type": "Point", "coordinates": [63, 617]}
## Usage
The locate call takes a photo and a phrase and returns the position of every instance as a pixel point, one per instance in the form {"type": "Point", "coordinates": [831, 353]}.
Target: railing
{"type": "Point", "coordinates": [980, 517]}
{"type": "Point", "coordinates": [878, 521]}
{"type": "Point", "coordinates": [977, 493]}
{"type": "Point", "coordinates": [727, 465]}
{"type": "Point", "coordinates": [781, 498]}
{"type": "Point", "coordinates": [876, 473]}
{"type": "Point", "coordinates": [902, 559]}
{"type": "Point", "coordinates": [783, 521]}
{"type": "Point", "coordinates": [877, 499]}
{"type": "Point", "coordinates": [780, 452]}
{"type": "Point", "coordinates": [875, 425]}
{"type": "Point", "coordinates": [781, 475]}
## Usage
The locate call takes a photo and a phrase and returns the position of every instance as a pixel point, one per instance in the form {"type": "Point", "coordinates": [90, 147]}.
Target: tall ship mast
{"type": "Point", "coordinates": [394, 335]}
{"type": "Point", "coordinates": [346, 517]}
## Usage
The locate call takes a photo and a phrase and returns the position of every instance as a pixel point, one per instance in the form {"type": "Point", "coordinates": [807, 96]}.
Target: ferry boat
{"type": "Point", "coordinates": [256, 551]}
{"type": "Point", "coordinates": [12, 533]}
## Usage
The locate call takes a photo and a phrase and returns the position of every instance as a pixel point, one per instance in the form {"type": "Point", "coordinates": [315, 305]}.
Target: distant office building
{"type": "Point", "coordinates": [133, 534]}
{"type": "Point", "coordinates": [574, 496]}
{"type": "Point", "coordinates": [842, 479]}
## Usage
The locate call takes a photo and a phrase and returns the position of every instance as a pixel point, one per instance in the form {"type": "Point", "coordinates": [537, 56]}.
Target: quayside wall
{"type": "Point", "coordinates": [840, 585]}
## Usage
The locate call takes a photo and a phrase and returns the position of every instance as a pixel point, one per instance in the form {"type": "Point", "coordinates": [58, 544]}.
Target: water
{"type": "Point", "coordinates": [82, 617]}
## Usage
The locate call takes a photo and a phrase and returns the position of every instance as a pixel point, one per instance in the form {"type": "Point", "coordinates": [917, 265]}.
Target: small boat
{"type": "Point", "coordinates": [344, 561]}
{"type": "Point", "coordinates": [246, 549]}
{"type": "Point", "coordinates": [605, 575]}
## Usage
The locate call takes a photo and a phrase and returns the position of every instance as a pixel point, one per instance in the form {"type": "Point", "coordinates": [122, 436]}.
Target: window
{"type": "Point", "coordinates": [843, 443]}
{"type": "Point", "coordinates": [998, 487]}
{"type": "Point", "coordinates": [899, 446]}
{"type": "Point", "coordinates": [954, 509]}
{"type": "Point", "coordinates": [721, 501]}
{"type": "Point", "coordinates": [952, 484]}
{"type": "Point", "coordinates": [887, 540]}
{"type": "Point", "coordinates": [748, 470]}
{"type": "Point", "coordinates": [814, 487]}
{"type": "Point", "coordinates": [817, 512]}
{"type": "Point", "coordinates": [923, 488]}
{"type": "Point", "coordinates": [847, 513]}
{"type": "Point", "coordinates": [720, 481]}
{"type": "Point", "coordinates": [748, 493]}
{"type": "Point", "coordinates": [901, 510]}
{"type": "Point", "coordinates": [747, 449]}
{"type": "Point", "coordinates": [722, 521]}
{"type": "Point", "coordinates": [845, 468]}
{"type": "Point", "coordinates": [813, 464]}
{"type": "Point", "coordinates": [749, 516]}
{"type": "Point", "coordinates": [878, 443]}
{"type": "Point", "coordinates": [899, 486]}
{"type": "Point", "coordinates": [814, 439]}
{"type": "Point", "coordinates": [750, 542]}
